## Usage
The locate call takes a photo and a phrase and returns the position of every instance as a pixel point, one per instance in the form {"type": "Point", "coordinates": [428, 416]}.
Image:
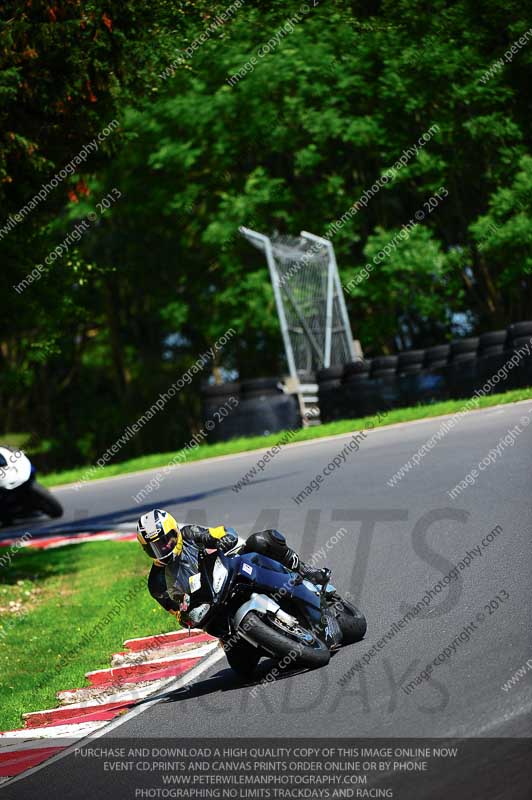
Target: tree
{"type": "Point", "coordinates": [275, 118]}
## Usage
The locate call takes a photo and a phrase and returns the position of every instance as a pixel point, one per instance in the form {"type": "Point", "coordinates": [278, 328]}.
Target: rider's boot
{"type": "Point", "coordinates": [316, 576]}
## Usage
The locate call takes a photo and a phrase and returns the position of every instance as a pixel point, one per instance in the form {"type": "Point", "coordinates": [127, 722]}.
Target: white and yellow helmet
{"type": "Point", "coordinates": [159, 535]}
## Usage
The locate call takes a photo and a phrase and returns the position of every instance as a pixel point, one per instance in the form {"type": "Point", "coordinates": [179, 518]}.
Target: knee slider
{"type": "Point", "coordinates": [277, 536]}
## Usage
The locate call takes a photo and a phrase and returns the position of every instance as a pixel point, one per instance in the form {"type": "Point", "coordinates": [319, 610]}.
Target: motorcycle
{"type": "Point", "coordinates": [259, 608]}
{"type": "Point", "coordinates": [20, 494]}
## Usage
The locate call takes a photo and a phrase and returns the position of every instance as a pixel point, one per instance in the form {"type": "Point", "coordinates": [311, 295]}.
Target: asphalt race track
{"type": "Point", "coordinates": [386, 546]}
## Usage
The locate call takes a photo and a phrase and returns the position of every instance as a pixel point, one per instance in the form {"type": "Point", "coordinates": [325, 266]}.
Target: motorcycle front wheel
{"type": "Point", "coordinates": [243, 658]}
{"type": "Point", "coordinates": [298, 647]}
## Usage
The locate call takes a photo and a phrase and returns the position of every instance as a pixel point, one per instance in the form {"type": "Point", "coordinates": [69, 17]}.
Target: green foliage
{"type": "Point", "coordinates": [503, 240]}
{"type": "Point", "coordinates": [403, 293]}
{"type": "Point", "coordinates": [263, 121]}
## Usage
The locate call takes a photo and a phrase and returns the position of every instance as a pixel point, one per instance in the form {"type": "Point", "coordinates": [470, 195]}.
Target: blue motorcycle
{"type": "Point", "coordinates": [259, 608]}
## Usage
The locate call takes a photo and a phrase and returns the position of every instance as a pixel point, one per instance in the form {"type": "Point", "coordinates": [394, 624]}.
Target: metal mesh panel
{"type": "Point", "coordinates": [303, 272]}
{"type": "Point", "coordinates": [307, 281]}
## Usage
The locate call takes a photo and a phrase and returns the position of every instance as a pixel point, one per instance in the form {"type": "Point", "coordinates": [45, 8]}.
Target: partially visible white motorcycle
{"type": "Point", "coordinates": [20, 494]}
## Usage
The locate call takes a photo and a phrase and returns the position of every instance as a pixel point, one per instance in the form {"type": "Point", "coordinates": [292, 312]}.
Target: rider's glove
{"type": "Point", "coordinates": [220, 538]}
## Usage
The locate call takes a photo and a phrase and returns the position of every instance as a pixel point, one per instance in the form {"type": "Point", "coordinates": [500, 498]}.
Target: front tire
{"type": "Point", "coordinates": [243, 658]}
{"type": "Point", "coordinates": [285, 646]}
{"type": "Point", "coordinates": [43, 500]}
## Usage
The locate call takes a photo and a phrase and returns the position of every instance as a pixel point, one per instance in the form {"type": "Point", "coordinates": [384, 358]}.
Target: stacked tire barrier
{"type": "Point", "coordinates": [358, 389]}
{"type": "Point", "coordinates": [254, 407]}
{"type": "Point", "coordinates": [383, 373]}
{"type": "Point", "coordinates": [492, 355]}
{"type": "Point", "coordinates": [409, 367]}
{"type": "Point", "coordinates": [330, 399]}
{"type": "Point", "coordinates": [448, 371]}
{"type": "Point", "coordinates": [519, 335]}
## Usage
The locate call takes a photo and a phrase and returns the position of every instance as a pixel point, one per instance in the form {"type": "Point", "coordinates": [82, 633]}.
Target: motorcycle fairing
{"type": "Point", "coordinates": [276, 581]}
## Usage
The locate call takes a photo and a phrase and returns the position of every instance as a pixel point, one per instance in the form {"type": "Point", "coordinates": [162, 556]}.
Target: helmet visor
{"type": "Point", "coordinates": [163, 547]}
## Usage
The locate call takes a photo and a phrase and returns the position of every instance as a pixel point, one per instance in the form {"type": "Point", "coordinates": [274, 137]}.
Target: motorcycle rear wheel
{"type": "Point", "coordinates": [43, 500]}
{"type": "Point", "coordinates": [288, 648]}
{"type": "Point", "coordinates": [351, 620]}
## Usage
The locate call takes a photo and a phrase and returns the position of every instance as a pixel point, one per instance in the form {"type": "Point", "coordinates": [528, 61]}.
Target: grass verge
{"type": "Point", "coordinates": [155, 460]}
{"type": "Point", "coordinates": [50, 603]}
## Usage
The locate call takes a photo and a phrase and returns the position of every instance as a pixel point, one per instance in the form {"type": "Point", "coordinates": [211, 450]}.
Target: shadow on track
{"type": "Point", "coordinates": [80, 519]}
{"type": "Point", "coordinates": [225, 680]}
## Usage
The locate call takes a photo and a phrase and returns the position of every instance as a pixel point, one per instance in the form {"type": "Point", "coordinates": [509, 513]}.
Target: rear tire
{"type": "Point", "coordinates": [352, 622]}
{"type": "Point", "coordinates": [43, 500]}
{"type": "Point", "coordinates": [282, 646]}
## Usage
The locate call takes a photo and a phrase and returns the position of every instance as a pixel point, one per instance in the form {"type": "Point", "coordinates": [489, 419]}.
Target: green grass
{"type": "Point", "coordinates": [49, 600]}
{"type": "Point", "coordinates": [242, 445]}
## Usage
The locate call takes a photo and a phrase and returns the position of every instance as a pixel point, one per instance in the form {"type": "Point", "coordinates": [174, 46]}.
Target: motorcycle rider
{"type": "Point", "coordinates": [175, 552]}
